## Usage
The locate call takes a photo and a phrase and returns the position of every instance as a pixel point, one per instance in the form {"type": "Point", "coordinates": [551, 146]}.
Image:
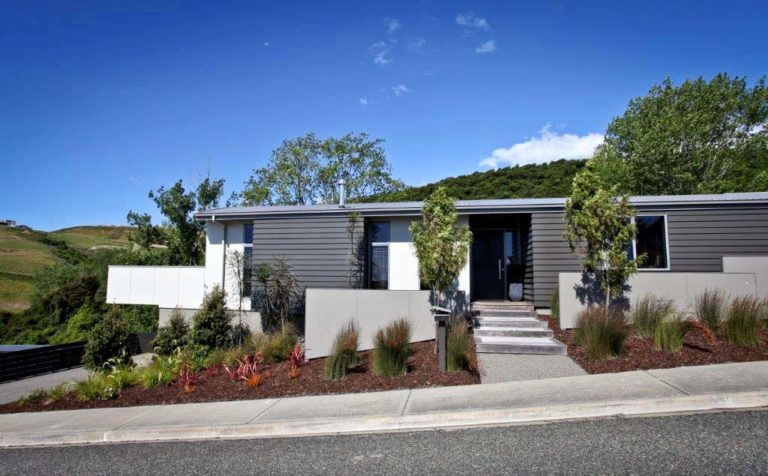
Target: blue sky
{"type": "Point", "coordinates": [102, 101]}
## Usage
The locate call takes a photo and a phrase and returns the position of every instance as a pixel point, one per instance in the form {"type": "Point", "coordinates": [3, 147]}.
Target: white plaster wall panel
{"type": "Point", "coordinates": [750, 264]}
{"type": "Point", "coordinates": [214, 253]}
{"type": "Point", "coordinates": [191, 286]}
{"type": "Point", "coordinates": [166, 286]}
{"type": "Point", "coordinates": [142, 284]}
{"type": "Point", "coordinates": [403, 267]}
{"type": "Point", "coordinates": [119, 284]}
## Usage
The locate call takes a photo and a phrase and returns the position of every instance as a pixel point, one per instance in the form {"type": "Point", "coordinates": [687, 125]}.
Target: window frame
{"type": "Point", "coordinates": [378, 244]}
{"type": "Point", "coordinates": [666, 241]}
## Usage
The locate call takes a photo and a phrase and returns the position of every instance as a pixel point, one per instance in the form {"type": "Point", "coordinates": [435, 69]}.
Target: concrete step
{"type": "Point", "coordinates": [519, 322]}
{"type": "Point", "coordinates": [513, 332]}
{"type": "Point", "coordinates": [520, 345]}
{"type": "Point", "coordinates": [505, 312]}
{"type": "Point", "coordinates": [502, 306]}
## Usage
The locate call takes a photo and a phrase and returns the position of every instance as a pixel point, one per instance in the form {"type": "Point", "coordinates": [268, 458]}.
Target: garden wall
{"type": "Point", "coordinates": [327, 310]}
{"type": "Point", "coordinates": [680, 287]}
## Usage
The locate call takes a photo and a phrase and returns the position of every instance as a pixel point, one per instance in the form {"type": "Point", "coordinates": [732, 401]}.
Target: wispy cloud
{"type": "Point", "coordinates": [418, 44]}
{"type": "Point", "coordinates": [266, 44]}
{"type": "Point", "coordinates": [381, 52]}
{"type": "Point", "coordinates": [468, 21]}
{"type": "Point", "coordinates": [487, 47]}
{"type": "Point", "coordinates": [399, 90]}
{"type": "Point", "coordinates": [546, 147]}
{"type": "Point", "coordinates": [392, 25]}
{"type": "Point", "coordinates": [363, 102]}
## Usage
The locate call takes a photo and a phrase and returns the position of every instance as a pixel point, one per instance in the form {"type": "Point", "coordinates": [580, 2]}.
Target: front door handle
{"type": "Point", "coordinates": [499, 269]}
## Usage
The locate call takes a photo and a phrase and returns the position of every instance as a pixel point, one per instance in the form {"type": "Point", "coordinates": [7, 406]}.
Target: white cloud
{"type": "Point", "coordinates": [470, 22]}
{"type": "Point", "coordinates": [417, 44]}
{"type": "Point", "coordinates": [399, 90]}
{"type": "Point", "coordinates": [548, 146]}
{"type": "Point", "coordinates": [363, 102]}
{"type": "Point", "coordinates": [266, 44]}
{"type": "Point", "coordinates": [381, 52]}
{"type": "Point", "coordinates": [392, 25]}
{"type": "Point", "coordinates": [487, 47]}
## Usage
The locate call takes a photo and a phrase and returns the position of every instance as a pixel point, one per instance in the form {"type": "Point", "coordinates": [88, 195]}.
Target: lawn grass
{"type": "Point", "coordinates": [86, 237]}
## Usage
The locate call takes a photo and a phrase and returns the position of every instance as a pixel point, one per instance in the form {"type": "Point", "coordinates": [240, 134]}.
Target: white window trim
{"type": "Point", "coordinates": [666, 242]}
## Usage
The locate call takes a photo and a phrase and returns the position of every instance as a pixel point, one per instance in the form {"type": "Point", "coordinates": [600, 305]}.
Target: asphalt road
{"type": "Point", "coordinates": [735, 443]}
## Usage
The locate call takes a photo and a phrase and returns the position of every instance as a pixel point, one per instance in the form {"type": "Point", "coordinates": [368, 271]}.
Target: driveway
{"type": "Point", "coordinates": [11, 391]}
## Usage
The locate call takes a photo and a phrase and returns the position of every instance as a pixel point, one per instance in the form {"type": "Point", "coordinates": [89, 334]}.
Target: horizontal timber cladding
{"type": "Point", "coordinates": [699, 237]}
{"type": "Point", "coordinates": [318, 248]}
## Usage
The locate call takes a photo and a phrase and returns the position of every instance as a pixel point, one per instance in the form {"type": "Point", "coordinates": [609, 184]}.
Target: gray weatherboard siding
{"type": "Point", "coordinates": [316, 247]}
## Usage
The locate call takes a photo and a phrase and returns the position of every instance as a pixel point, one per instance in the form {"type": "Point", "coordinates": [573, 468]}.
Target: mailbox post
{"type": "Point", "coordinates": [441, 316]}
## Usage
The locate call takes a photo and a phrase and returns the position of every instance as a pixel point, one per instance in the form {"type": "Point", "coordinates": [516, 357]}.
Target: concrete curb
{"type": "Point", "coordinates": [428, 421]}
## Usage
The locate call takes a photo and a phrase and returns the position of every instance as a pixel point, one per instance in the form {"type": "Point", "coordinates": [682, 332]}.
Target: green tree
{"type": "Point", "coordinates": [599, 230]}
{"type": "Point", "coordinates": [442, 245]}
{"type": "Point", "coordinates": [305, 170]}
{"type": "Point", "coordinates": [182, 234]}
{"type": "Point", "coordinates": [698, 137]}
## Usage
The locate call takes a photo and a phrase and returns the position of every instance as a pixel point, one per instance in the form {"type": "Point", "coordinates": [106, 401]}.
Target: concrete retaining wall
{"type": "Point", "coordinates": [750, 264]}
{"type": "Point", "coordinates": [327, 310]}
{"type": "Point", "coordinates": [252, 318]}
{"type": "Point", "coordinates": [681, 287]}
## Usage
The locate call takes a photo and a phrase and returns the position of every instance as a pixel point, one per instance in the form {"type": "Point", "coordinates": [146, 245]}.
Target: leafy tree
{"type": "Point", "coordinates": [211, 325]}
{"type": "Point", "coordinates": [305, 170]}
{"type": "Point", "coordinates": [599, 230]}
{"type": "Point", "coordinates": [171, 335]}
{"type": "Point", "coordinates": [442, 245]}
{"type": "Point", "coordinates": [182, 234]}
{"type": "Point", "coordinates": [698, 137]}
{"type": "Point", "coordinates": [109, 339]}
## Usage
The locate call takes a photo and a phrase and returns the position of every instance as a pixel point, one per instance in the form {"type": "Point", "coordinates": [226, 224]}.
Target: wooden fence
{"type": "Point", "coordinates": [40, 360]}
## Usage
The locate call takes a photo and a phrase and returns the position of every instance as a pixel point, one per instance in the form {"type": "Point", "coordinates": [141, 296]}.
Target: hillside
{"type": "Point", "coordinates": [24, 252]}
{"type": "Point", "coordinates": [527, 181]}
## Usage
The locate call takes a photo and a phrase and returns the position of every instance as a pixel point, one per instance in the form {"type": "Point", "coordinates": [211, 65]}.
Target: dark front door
{"type": "Point", "coordinates": [487, 271]}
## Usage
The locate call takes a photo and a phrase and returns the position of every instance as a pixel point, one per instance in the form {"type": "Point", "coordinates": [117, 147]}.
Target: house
{"type": "Point", "coordinates": [690, 241]}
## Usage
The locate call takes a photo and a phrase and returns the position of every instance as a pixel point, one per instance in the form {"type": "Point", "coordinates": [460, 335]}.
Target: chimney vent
{"type": "Point", "coordinates": [342, 192]}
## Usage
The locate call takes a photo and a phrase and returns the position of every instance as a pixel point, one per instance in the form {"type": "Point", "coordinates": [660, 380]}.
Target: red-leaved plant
{"type": "Point", "coordinates": [296, 359]}
{"type": "Point", "coordinates": [247, 369]}
{"type": "Point", "coordinates": [186, 379]}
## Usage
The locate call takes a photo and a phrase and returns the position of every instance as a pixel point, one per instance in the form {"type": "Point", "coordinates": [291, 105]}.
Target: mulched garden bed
{"type": "Point", "coordinates": [216, 386]}
{"type": "Point", "coordinates": [640, 354]}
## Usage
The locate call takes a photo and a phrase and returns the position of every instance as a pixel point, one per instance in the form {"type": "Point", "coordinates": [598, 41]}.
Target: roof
{"type": "Point", "coordinates": [469, 206]}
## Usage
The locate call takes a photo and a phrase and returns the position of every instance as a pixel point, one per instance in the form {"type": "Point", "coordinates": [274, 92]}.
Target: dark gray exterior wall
{"type": "Point", "coordinates": [316, 247]}
{"type": "Point", "coordinates": [698, 239]}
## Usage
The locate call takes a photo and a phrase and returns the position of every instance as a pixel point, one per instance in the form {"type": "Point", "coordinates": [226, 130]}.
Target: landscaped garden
{"type": "Point", "coordinates": [654, 334]}
{"type": "Point", "coordinates": [212, 360]}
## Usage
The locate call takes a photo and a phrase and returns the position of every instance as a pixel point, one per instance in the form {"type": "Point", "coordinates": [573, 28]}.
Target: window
{"type": "Point", "coordinates": [651, 241]}
{"type": "Point", "coordinates": [378, 239]}
{"type": "Point", "coordinates": [247, 259]}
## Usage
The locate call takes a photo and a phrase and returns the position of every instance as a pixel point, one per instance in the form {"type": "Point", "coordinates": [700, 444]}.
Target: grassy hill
{"type": "Point", "coordinates": [24, 252]}
{"type": "Point", "coordinates": [527, 181]}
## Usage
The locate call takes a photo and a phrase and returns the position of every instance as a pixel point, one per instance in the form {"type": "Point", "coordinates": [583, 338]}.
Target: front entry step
{"type": "Point", "coordinates": [513, 332]}
{"type": "Point", "coordinates": [500, 321]}
{"type": "Point", "coordinates": [519, 345]}
{"type": "Point", "coordinates": [512, 328]}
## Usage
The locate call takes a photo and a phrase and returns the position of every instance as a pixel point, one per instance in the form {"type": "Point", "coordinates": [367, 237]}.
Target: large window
{"type": "Point", "coordinates": [378, 252]}
{"type": "Point", "coordinates": [247, 259]}
{"type": "Point", "coordinates": [652, 241]}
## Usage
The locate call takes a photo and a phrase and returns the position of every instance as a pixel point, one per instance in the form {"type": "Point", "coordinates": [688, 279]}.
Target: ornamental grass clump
{"type": "Point", "coordinates": [391, 348]}
{"type": "Point", "coordinates": [461, 348]}
{"type": "Point", "coordinates": [278, 346]}
{"type": "Point", "coordinates": [602, 331]}
{"type": "Point", "coordinates": [554, 305]}
{"type": "Point", "coordinates": [162, 371]}
{"type": "Point", "coordinates": [669, 334]}
{"type": "Point", "coordinates": [649, 312]}
{"type": "Point", "coordinates": [709, 307]}
{"type": "Point", "coordinates": [742, 324]}
{"type": "Point", "coordinates": [96, 387]}
{"type": "Point", "coordinates": [344, 355]}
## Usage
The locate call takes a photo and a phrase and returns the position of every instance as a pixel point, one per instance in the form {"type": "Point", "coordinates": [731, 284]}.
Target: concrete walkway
{"type": "Point", "coordinates": [498, 368]}
{"type": "Point", "coordinates": [12, 391]}
{"type": "Point", "coordinates": [686, 389]}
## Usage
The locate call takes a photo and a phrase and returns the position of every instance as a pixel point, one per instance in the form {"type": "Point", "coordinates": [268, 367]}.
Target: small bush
{"type": "Point", "coordinates": [96, 387]}
{"type": "Point", "coordinates": [742, 325]}
{"type": "Point", "coordinates": [343, 353]}
{"type": "Point", "coordinates": [241, 334]}
{"type": "Point", "coordinates": [123, 377]}
{"type": "Point", "coordinates": [602, 331]}
{"type": "Point", "coordinates": [649, 311]}
{"type": "Point", "coordinates": [461, 348]}
{"type": "Point", "coordinates": [709, 307]}
{"type": "Point", "coordinates": [59, 392]}
{"type": "Point", "coordinates": [392, 347]}
{"type": "Point", "coordinates": [162, 371]}
{"type": "Point", "coordinates": [215, 358]}
{"type": "Point", "coordinates": [109, 339]}
{"type": "Point", "coordinates": [554, 305]}
{"type": "Point", "coordinates": [33, 396]}
{"type": "Point", "coordinates": [171, 335]}
{"type": "Point", "coordinates": [669, 334]}
{"type": "Point", "coordinates": [278, 346]}
{"type": "Point", "coordinates": [211, 325]}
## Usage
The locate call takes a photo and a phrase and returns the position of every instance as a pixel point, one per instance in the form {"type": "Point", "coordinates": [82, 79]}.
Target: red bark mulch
{"type": "Point", "coordinates": [422, 372]}
{"type": "Point", "coordinates": [639, 352]}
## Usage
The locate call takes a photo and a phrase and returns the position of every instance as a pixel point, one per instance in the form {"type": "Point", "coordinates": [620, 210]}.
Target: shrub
{"type": "Point", "coordinates": [59, 392]}
{"type": "Point", "coordinates": [33, 396]}
{"type": "Point", "coordinates": [171, 335]}
{"type": "Point", "coordinates": [391, 348]}
{"type": "Point", "coordinates": [96, 387]}
{"type": "Point", "coordinates": [343, 356]}
{"type": "Point", "coordinates": [211, 325]}
{"type": "Point", "coordinates": [78, 327]}
{"type": "Point", "coordinates": [247, 369]}
{"type": "Point", "coordinates": [295, 360]}
{"type": "Point", "coordinates": [241, 334]}
{"type": "Point", "coordinates": [194, 355]}
{"type": "Point", "coordinates": [742, 325]}
{"type": "Point", "coordinates": [649, 311]}
{"type": "Point", "coordinates": [601, 330]}
{"type": "Point", "coordinates": [65, 300]}
{"type": "Point", "coordinates": [109, 339]}
{"type": "Point", "coordinates": [123, 376]}
{"type": "Point", "coordinates": [669, 334]}
{"type": "Point", "coordinates": [278, 346]}
{"type": "Point", "coordinates": [554, 305]}
{"type": "Point", "coordinates": [214, 358]}
{"type": "Point", "coordinates": [162, 371]}
{"type": "Point", "coordinates": [461, 348]}
{"type": "Point", "coordinates": [709, 307]}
